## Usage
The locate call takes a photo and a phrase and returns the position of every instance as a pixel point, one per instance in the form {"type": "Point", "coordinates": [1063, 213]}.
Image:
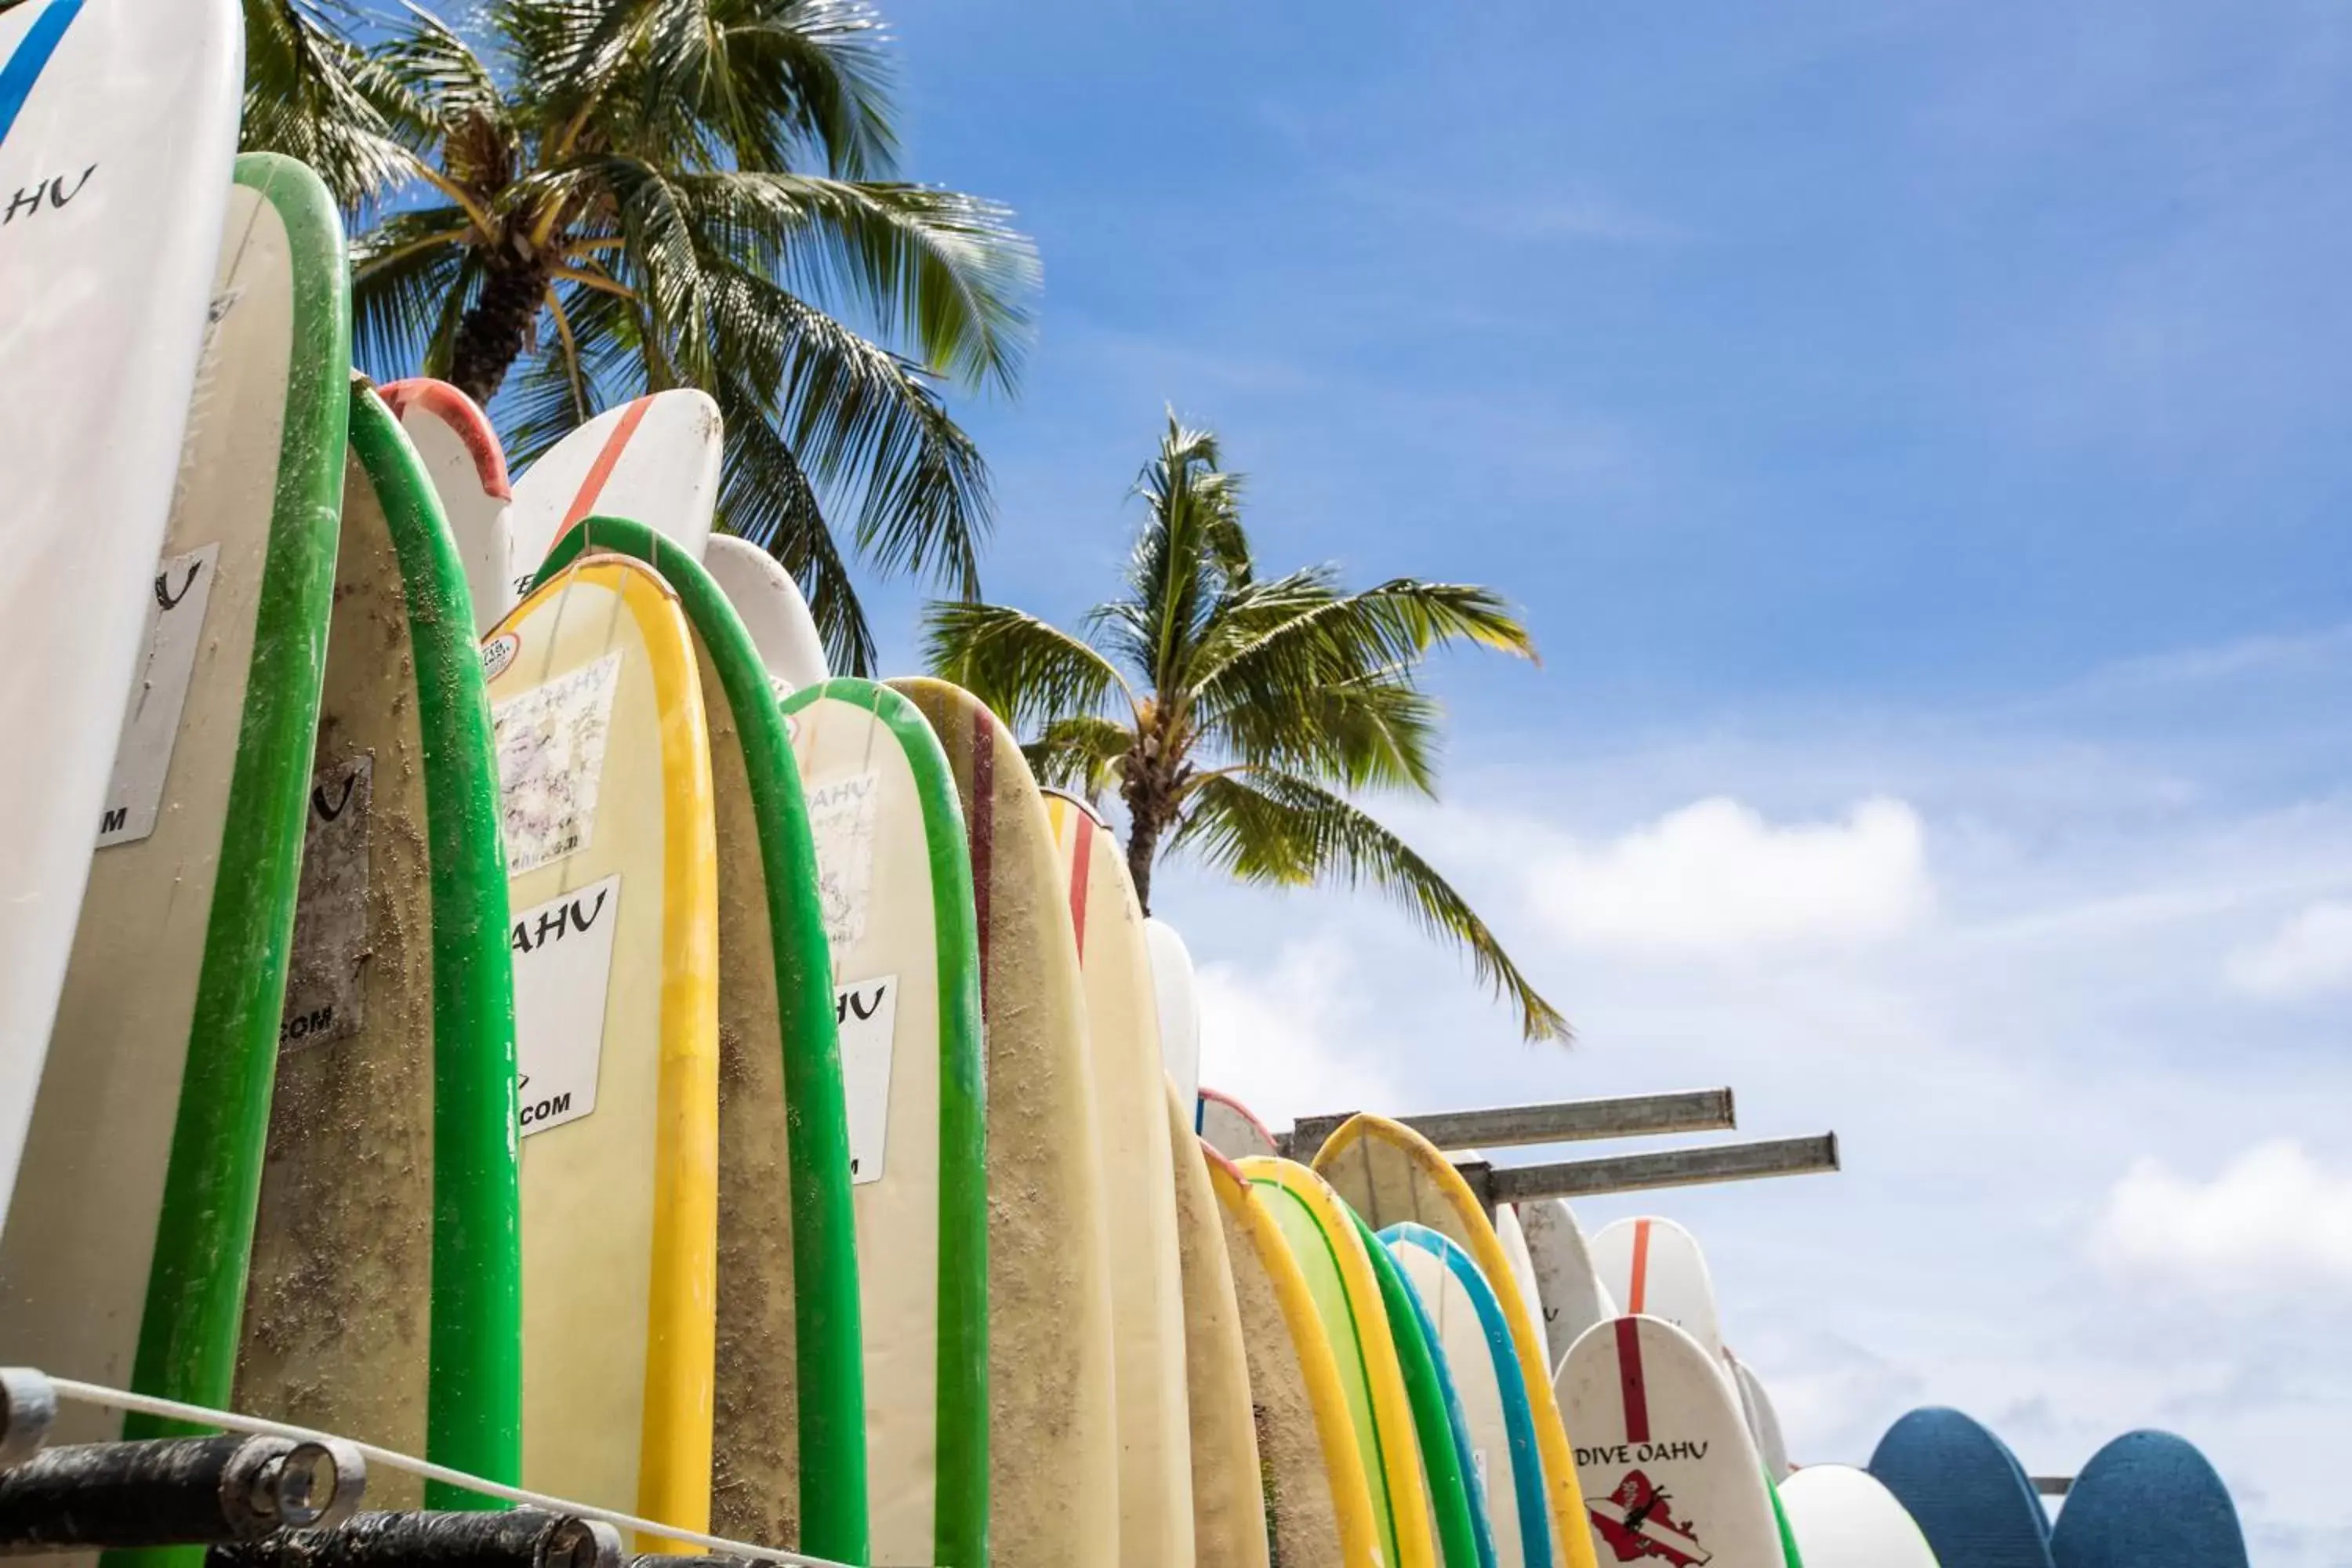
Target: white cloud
{"type": "Point", "coordinates": [2273, 1218]}
{"type": "Point", "coordinates": [1280, 1038]}
{"type": "Point", "coordinates": [2310, 952]}
{"type": "Point", "coordinates": [1716, 878]}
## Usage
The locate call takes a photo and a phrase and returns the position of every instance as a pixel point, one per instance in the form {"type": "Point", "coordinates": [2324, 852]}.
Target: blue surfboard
{"type": "Point", "coordinates": [1972, 1499]}
{"type": "Point", "coordinates": [1517, 1483]}
{"type": "Point", "coordinates": [2149, 1499]}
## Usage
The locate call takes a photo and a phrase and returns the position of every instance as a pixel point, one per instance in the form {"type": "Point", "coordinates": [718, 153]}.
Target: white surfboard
{"type": "Point", "coordinates": [118, 125]}
{"type": "Point", "coordinates": [1842, 1517]}
{"type": "Point", "coordinates": [1523, 1265]}
{"type": "Point", "coordinates": [652, 460]}
{"type": "Point", "coordinates": [468, 469]}
{"type": "Point", "coordinates": [123, 1261]}
{"type": "Point", "coordinates": [1180, 1006]}
{"type": "Point", "coordinates": [1130, 1105]}
{"type": "Point", "coordinates": [772, 609]}
{"type": "Point", "coordinates": [1763, 1420]}
{"type": "Point", "coordinates": [1230, 1128]}
{"type": "Point", "coordinates": [1653, 1266]}
{"type": "Point", "coordinates": [1573, 1297]}
{"type": "Point", "coordinates": [1668, 1469]}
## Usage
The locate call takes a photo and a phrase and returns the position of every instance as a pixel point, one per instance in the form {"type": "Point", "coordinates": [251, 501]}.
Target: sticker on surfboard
{"type": "Point", "coordinates": [326, 996]}
{"type": "Point", "coordinates": [563, 970]}
{"type": "Point", "coordinates": [142, 756]}
{"type": "Point", "coordinates": [867, 1011]}
{"type": "Point", "coordinates": [551, 743]}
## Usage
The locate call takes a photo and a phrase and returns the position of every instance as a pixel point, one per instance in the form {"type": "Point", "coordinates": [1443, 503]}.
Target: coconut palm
{"type": "Point", "coordinates": [1235, 715]}
{"type": "Point", "coordinates": [577, 201]}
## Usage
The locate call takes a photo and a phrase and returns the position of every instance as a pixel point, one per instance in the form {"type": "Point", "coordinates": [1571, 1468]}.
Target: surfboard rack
{"type": "Point", "coordinates": [175, 1491]}
{"type": "Point", "coordinates": [1577, 1120]}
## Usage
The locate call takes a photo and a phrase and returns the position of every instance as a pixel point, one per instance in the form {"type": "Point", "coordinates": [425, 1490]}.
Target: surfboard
{"type": "Point", "coordinates": [1178, 992]}
{"type": "Point", "coordinates": [1653, 1266]}
{"type": "Point", "coordinates": [1229, 1127]}
{"type": "Point", "coordinates": [1228, 1498]}
{"type": "Point", "coordinates": [774, 612]}
{"type": "Point", "coordinates": [896, 880]}
{"type": "Point", "coordinates": [605, 807]}
{"type": "Point", "coordinates": [1347, 1295]}
{"type": "Point", "coordinates": [2149, 1499]}
{"type": "Point", "coordinates": [125, 1257]}
{"type": "Point", "coordinates": [1053, 1436]}
{"type": "Point", "coordinates": [392, 1113]}
{"type": "Point", "coordinates": [1843, 1519]}
{"type": "Point", "coordinates": [653, 459]}
{"type": "Point", "coordinates": [1667, 1466]}
{"type": "Point", "coordinates": [789, 1424]}
{"type": "Point", "coordinates": [1388, 1174]}
{"type": "Point", "coordinates": [1130, 1094]}
{"type": "Point", "coordinates": [468, 469]}
{"type": "Point", "coordinates": [1763, 1420]}
{"type": "Point", "coordinates": [1485, 1364]}
{"type": "Point", "coordinates": [1457, 1504]}
{"type": "Point", "coordinates": [1317, 1485]}
{"type": "Point", "coordinates": [1570, 1292]}
{"type": "Point", "coordinates": [1971, 1498]}
{"type": "Point", "coordinates": [118, 127]}
{"type": "Point", "coordinates": [1513, 1240]}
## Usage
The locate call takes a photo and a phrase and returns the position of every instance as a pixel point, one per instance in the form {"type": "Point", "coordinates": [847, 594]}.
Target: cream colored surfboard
{"type": "Point", "coordinates": [1179, 991]}
{"type": "Point", "coordinates": [392, 1115]}
{"type": "Point", "coordinates": [895, 876]}
{"type": "Point", "coordinates": [774, 612]}
{"type": "Point", "coordinates": [1318, 1500]}
{"type": "Point", "coordinates": [468, 471]}
{"type": "Point", "coordinates": [1387, 1172]}
{"type": "Point", "coordinates": [134, 1203]}
{"type": "Point", "coordinates": [1053, 1434]}
{"type": "Point", "coordinates": [1155, 1470]}
{"type": "Point", "coordinates": [605, 801]}
{"type": "Point", "coordinates": [1570, 1292]}
{"type": "Point", "coordinates": [1231, 1128]}
{"type": "Point", "coordinates": [653, 460]}
{"type": "Point", "coordinates": [789, 1424]}
{"type": "Point", "coordinates": [1228, 1497]}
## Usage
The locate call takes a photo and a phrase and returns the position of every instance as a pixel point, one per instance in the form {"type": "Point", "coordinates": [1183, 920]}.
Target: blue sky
{"type": "Point", "coordinates": [1917, 435]}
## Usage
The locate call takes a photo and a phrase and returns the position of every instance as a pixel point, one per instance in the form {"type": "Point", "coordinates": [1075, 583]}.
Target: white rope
{"type": "Point", "coordinates": [171, 1409]}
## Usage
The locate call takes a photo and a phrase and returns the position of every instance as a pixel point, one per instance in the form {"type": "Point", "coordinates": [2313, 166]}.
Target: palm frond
{"type": "Point", "coordinates": [1276, 828]}
{"type": "Point", "coordinates": [412, 276]}
{"type": "Point", "coordinates": [1302, 634]}
{"type": "Point", "coordinates": [778, 83]}
{"type": "Point", "coordinates": [1377, 731]}
{"type": "Point", "coordinates": [766, 497]}
{"type": "Point", "coordinates": [1025, 669]}
{"type": "Point", "coordinates": [1079, 753]}
{"type": "Point", "coordinates": [305, 96]}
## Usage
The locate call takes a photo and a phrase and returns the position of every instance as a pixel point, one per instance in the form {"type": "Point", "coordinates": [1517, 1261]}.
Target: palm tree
{"type": "Point", "coordinates": [577, 201]}
{"type": "Point", "coordinates": [1236, 714]}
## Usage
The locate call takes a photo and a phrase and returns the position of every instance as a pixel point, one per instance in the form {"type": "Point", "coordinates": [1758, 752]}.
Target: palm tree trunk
{"type": "Point", "coordinates": [1143, 830]}
{"type": "Point", "coordinates": [491, 335]}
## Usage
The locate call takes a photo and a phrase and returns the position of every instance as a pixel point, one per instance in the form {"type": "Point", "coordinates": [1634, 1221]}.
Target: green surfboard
{"type": "Point", "coordinates": [790, 1453]}
{"type": "Point", "coordinates": [384, 1300]}
{"type": "Point", "coordinates": [1462, 1534]}
{"type": "Point", "coordinates": [124, 1259]}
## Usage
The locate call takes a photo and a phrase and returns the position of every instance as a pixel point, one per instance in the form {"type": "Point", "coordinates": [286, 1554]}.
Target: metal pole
{"type": "Point", "coordinates": [175, 1491]}
{"type": "Point", "coordinates": [519, 1538]}
{"type": "Point", "coordinates": [1562, 1121]}
{"type": "Point", "coordinates": [1666, 1168]}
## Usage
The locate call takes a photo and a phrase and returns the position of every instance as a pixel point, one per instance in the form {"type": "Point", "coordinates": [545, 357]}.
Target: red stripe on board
{"type": "Point", "coordinates": [1639, 1297]}
{"type": "Point", "coordinates": [982, 835]}
{"type": "Point", "coordinates": [606, 460]}
{"type": "Point", "coordinates": [1081, 853]}
{"type": "Point", "coordinates": [1631, 1386]}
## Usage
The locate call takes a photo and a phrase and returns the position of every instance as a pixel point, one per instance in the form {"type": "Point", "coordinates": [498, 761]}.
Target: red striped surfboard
{"type": "Point", "coordinates": [652, 460]}
{"type": "Point", "coordinates": [1653, 1266]}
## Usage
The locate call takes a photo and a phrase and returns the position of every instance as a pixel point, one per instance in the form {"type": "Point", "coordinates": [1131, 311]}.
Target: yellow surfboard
{"type": "Point", "coordinates": [1389, 1172]}
{"type": "Point", "coordinates": [1318, 1494]}
{"type": "Point", "coordinates": [1228, 1497]}
{"type": "Point", "coordinates": [1346, 1293]}
{"type": "Point", "coordinates": [605, 805]}
{"type": "Point", "coordinates": [1155, 1468]}
{"type": "Point", "coordinates": [1053, 1470]}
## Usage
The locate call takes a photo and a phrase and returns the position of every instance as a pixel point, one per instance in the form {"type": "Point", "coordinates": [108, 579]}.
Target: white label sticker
{"type": "Point", "coordinates": [150, 722]}
{"type": "Point", "coordinates": [562, 965]}
{"type": "Point", "coordinates": [841, 821]}
{"type": "Point", "coordinates": [551, 743]}
{"type": "Point", "coordinates": [325, 992]}
{"type": "Point", "coordinates": [868, 1013]}
{"type": "Point", "coordinates": [498, 653]}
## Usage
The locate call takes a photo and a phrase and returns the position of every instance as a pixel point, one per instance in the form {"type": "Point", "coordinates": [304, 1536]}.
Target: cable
{"type": "Point", "coordinates": [171, 1409]}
